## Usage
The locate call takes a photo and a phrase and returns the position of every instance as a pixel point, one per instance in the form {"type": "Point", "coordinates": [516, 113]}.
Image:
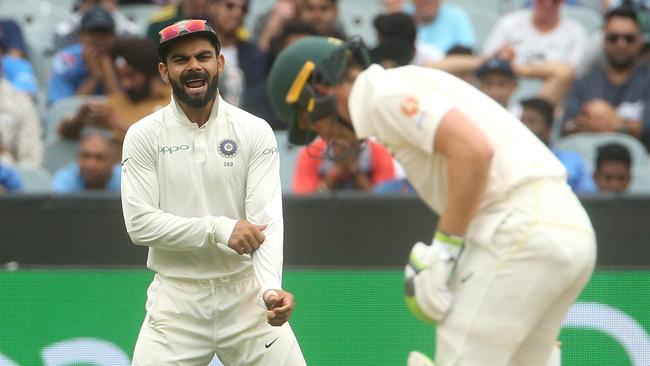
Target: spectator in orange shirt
{"type": "Point", "coordinates": [342, 167]}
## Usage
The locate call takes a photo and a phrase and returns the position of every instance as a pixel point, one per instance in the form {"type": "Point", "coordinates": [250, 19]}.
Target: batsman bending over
{"type": "Point", "coordinates": [513, 247]}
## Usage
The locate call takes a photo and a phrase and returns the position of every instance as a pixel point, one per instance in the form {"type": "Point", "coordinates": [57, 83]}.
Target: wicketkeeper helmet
{"type": "Point", "coordinates": [298, 67]}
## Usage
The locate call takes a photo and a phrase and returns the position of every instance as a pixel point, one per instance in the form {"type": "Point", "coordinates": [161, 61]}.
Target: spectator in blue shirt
{"type": "Point", "coordinates": [10, 180]}
{"type": "Point", "coordinates": [443, 25]}
{"type": "Point", "coordinates": [15, 68]}
{"type": "Point", "coordinates": [86, 68]}
{"type": "Point", "coordinates": [537, 115]}
{"type": "Point", "coordinates": [95, 169]}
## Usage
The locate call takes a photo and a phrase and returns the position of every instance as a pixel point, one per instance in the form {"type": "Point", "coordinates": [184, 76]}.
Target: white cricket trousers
{"type": "Point", "coordinates": [189, 321]}
{"type": "Point", "coordinates": [512, 292]}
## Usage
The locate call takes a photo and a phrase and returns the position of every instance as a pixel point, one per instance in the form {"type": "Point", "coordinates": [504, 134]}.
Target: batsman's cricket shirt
{"type": "Point", "coordinates": [184, 187]}
{"type": "Point", "coordinates": [402, 108]}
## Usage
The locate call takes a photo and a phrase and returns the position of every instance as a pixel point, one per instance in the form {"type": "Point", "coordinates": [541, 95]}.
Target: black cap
{"type": "Point", "coordinates": [183, 29]}
{"type": "Point", "coordinates": [97, 18]}
{"type": "Point", "coordinates": [497, 65]}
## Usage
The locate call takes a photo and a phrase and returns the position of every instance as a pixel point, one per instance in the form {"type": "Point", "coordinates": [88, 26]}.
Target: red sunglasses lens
{"type": "Point", "coordinates": [170, 32]}
{"type": "Point", "coordinates": [195, 25]}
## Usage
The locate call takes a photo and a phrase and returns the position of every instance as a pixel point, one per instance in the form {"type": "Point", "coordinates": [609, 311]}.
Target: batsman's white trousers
{"type": "Point", "coordinates": [189, 321]}
{"type": "Point", "coordinates": [513, 289]}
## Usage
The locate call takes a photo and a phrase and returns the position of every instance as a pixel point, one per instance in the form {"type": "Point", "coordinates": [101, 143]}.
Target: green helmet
{"type": "Point", "coordinates": [295, 69]}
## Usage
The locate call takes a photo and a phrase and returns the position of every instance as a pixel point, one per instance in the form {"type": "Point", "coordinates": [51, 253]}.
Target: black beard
{"type": "Point", "coordinates": [198, 101]}
{"type": "Point", "coordinates": [138, 94]}
{"type": "Point", "coordinates": [620, 64]}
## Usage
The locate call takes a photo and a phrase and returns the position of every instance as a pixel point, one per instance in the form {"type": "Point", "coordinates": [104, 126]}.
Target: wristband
{"type": "Point", "coordinates": [452, 244]}
{"type": "Point", "coordinates": [449, 239]}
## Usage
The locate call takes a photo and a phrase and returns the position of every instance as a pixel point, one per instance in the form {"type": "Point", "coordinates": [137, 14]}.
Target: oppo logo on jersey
{"type": "Point", "coordinates": [172, 149]}
{"type": "Point", "coordinates": [270, 150]}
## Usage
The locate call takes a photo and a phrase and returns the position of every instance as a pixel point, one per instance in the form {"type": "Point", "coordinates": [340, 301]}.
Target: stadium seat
{"type": "Point", "coordinates": [35, 179]}
{"type": "Point", "coordinates": [586, 144]}
{"type": "Point", "coordinates": [59, 153]}
{"type": "Point", "coordinates": [288, 157]}
{"type": "Point", "coordinates": [641, 179]}
{"type": "Point", "coordinates": [483, 15]}
{"type": "Point", "coordinates": [55, 113]}
{"type": "Point", "coordinates": [357, 17]}
{"type": "Point", "coordinates": [590, 19]}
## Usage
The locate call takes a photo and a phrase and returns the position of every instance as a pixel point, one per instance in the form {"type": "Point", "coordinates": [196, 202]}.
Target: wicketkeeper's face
{"type": "Point", "coordinates": [328, 127]}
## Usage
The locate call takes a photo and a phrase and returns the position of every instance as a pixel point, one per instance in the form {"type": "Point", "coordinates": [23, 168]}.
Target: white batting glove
{"type": "Point", "coordinates": [427, 275]}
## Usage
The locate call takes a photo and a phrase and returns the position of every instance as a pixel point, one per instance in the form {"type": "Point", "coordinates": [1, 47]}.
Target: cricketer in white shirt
{"type": "Point", "coordinates": [530, 247]}
{"type": "Point", "coordinates": [513, 247]}
{"type": "Point", "coordinates": [183, 189]}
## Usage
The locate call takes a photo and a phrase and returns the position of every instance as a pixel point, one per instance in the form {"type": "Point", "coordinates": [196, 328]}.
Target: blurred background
{"type": "Point", "coordinates": [75, 74]}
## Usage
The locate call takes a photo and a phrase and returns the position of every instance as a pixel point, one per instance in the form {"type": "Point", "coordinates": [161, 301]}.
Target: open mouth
{"type": "Point", "coordinates": [196, 86]}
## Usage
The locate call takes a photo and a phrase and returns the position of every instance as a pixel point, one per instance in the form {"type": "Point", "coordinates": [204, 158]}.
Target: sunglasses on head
{"type": "Point", "coordinates": [629, 38]}
{"type": "Point", "coordinates": [186, 26]}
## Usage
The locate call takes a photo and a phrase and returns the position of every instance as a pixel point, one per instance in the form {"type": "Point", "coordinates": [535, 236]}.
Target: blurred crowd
{"type": "Point", "coordinates": [65, 107]}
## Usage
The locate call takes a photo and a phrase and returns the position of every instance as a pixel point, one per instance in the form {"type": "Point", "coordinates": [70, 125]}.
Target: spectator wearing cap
{"type": "Point", "coordinates": [614, 97]}
{"type": "Point", "coordinates": [95, 168]}
{"type": "Point", "coordinates": [141, 92]}
{"type": "Point", "coordinates": [498, 78]}
{"type": "Point", "coordinates": [66, 32]}
{"type": "Point", "coordinates": [86, 68]}
{"type": "Point", "coordinates": [176, 11]}
{"type": "Point", "coordinates": [15, 68]}
{"type": "Point", "coordinates": [397, 43]}
{"type": "Point", "coordinates": [227, 18]}
{"type": "Point", "coordinates": [443, 25]}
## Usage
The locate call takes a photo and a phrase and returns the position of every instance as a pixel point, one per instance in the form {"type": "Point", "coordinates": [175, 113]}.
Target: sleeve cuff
{"type": "Point", "coordinates": [260, 299]}
{"type": "Point", "coordinates": [222, 229]}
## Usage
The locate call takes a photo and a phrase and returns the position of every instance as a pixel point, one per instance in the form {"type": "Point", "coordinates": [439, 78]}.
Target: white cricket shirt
{"type": "Point", "coordinates": [184, 188]}
{"type": "Point", "coordinates": [402, 108]}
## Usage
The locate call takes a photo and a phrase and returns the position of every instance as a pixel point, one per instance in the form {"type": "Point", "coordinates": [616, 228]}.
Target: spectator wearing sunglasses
{"type": "Point", "coordinates": [614, 97]}
{"type": "Point", "coordinates": [86, 68]}
{"type": "Point", "coordinates": [540, 34]}
{"type": "Point", "coordinates": [227, 19]}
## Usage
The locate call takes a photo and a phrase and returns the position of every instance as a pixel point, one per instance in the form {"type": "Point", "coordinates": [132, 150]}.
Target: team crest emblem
{"type": "Point", "coordinates": [228, 148]}
{"type": "Point", "coordinates": [410, 106]}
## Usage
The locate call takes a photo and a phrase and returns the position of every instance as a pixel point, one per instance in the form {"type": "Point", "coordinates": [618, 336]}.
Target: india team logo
{"type": "Point", "coordinates": [228, 148]}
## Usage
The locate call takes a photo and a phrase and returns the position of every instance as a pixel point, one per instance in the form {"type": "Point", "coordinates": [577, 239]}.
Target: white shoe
{"type": "Point", "coordinates": [419, 359]}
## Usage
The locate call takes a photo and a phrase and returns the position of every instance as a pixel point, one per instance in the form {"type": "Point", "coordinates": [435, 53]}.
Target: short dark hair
{"type": "Point", "coordinates": [396, 25]}
{"type": "Point", "coordinates": [460, 50]}
{"type": "Point", "coordinates": [296, 27]}
{"type": "Point", "coordinates": [541, 106]}
{"type": "Point", "coordinates": [623, 11]}
{"type": "Point", "coordinates": [613, 151]}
